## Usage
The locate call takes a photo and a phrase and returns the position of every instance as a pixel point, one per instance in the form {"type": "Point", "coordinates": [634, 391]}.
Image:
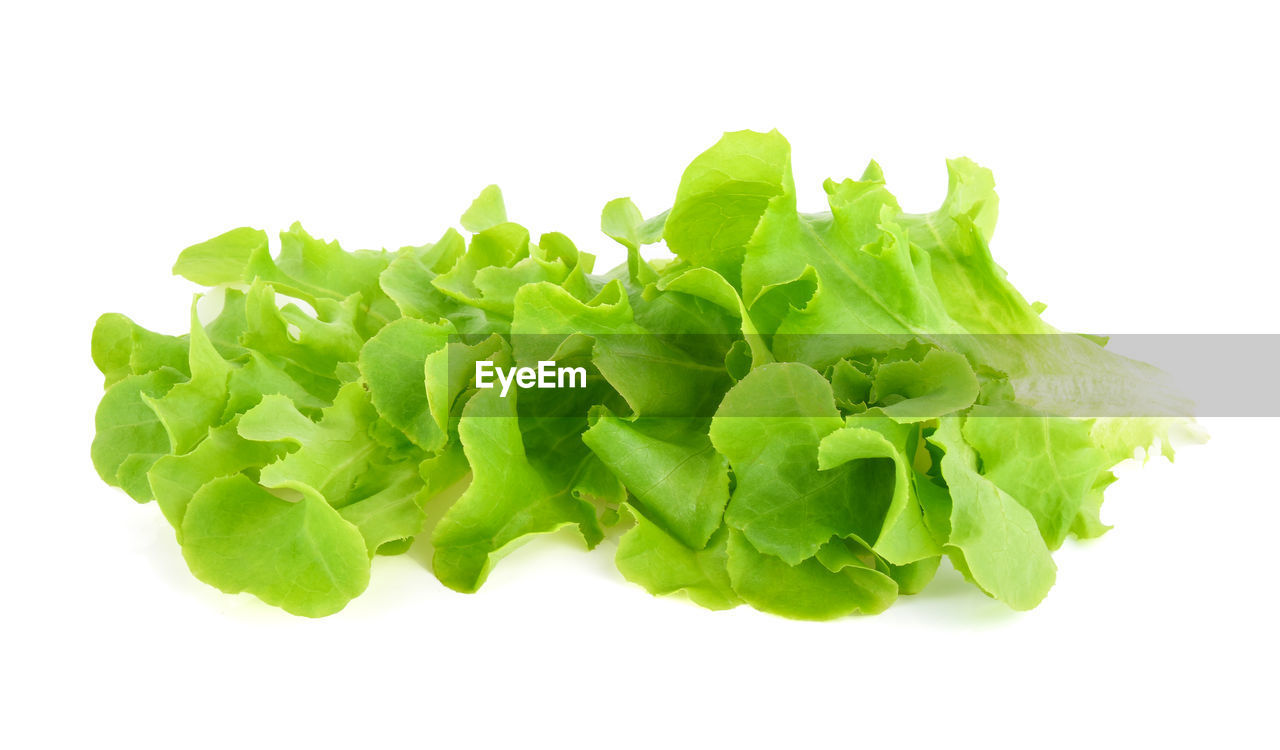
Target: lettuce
{"type": "Point", "coordinates": [803, 412]}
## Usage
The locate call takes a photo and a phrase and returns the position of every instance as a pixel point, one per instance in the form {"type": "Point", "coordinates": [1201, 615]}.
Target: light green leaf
{"type": "Point", "coordinates": [175, 479]}
{"type": "Point", "coordinates": [711, 286]}
{"type": "Point", "coordinates": [122, 348]}
{"type": "Point", "coordinates": [903, 538]}
{"type": "Point", "coordinates": [407, 279]}
{"type": "Point", "coordinates": [300, 556]}
{"type": "Point", "coordinates": [393, 363]}
{"type": "Point", "coordinates": [450, 371]}
{"type": "Point", "coordinates": [1048, 464]}
{"type": "Point", "coordinates": [223, 259]}
{"type": "Point", "coordinates": [851, 386]}
{"type": "Point", "coordinates": [651, 557]}
{"type": "Point", "coordinates": [189, 409]}
{"type": "Point", "coordinates": [130, 437]}
{"type": "Point", "coordinates": [332, 454]}
{"type": "Point", "coordinates": [1088, 524]}
{"type": "Point", "coordinates": [809, 590]}
{"type": "Point", "coordinates": [872, 288]}
{"type": "Point", "coordinates": [992, 538]}
{"type": "Point", "coordinates": [622, 221]}
{"type": "Point", "coordinates": [911, 391]}
{"type": "Point", "coordinates": [487, 210]}
{"type": "Point", "coordinates": [770, 426]}
{"type": "Point", "coordinates": [655, 377]}
{"type": "Point", "coordinates": [499, 262]}
{"type": "Point", "coordinates": [509, 498]}
{"type": "Point", "coordinates": [259, 375]}
{"type": "Point", "coordinates": [315, 349]}
{"type": "Point", "coordinates": [669, 465]}
{"type": "Point", "coordinates": [394, 511]}
{"type": "Point", "coordinates": [723, 194]}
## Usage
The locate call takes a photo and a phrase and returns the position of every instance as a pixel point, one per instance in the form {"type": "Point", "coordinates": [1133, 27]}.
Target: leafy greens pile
{"type": "Point", "coordinates": [802, 412]}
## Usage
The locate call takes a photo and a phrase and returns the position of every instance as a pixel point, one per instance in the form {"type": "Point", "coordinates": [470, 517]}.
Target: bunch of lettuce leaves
{"type": "Point", "coordinates": [800, 412]}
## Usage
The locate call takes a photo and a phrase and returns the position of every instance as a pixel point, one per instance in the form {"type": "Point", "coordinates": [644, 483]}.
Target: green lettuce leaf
{"type": "Point", "coordinates": [769, 427]}
{"type": "Point", "coordinates": [992, 539]}
{"type": "Point", "coordinates": [509, 497]}
{"type": "Point", "coordinates": [130, 437]}
{"type": "Point", "coordinates": [188, 410]}
{"type": "Point", "coordinates": [671, 468]}
{"type": "Point", "coordinates": [300, 556]}
{"type": "Point", "coordinates": [122, 348]}
{"type": "Point", "coordinates": [332, 455]}
{"type": "Point", "coordinates": [175, 479]}
{"type": "Point", "coordinates": [1048, 464]}
{"type": "Point", "coordinates": [842, 583]}
{"type": "Point", "coordinates": [393, 364]}
{"type": "Point", "coordinates": [799, 411]}
{"type": "Point", "coordinates": [663, 565]}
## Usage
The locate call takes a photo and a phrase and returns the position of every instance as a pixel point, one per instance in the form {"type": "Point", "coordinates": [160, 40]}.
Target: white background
{"type": "Point", "coordinates": [1135, 149]}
